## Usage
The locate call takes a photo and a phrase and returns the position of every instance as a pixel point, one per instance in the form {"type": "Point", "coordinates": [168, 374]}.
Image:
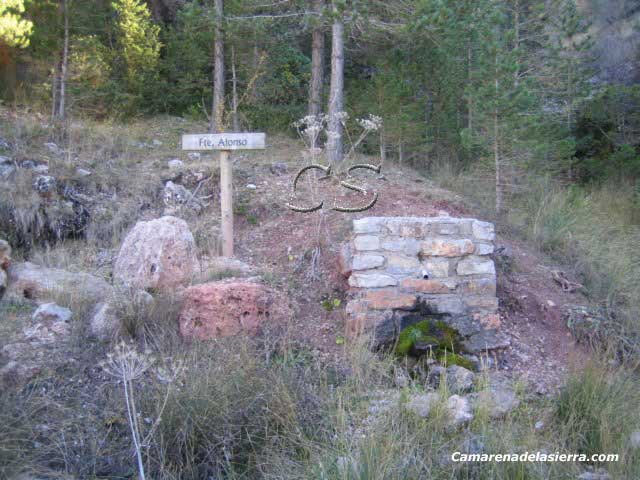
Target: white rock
{"type": "Point", "coordinates": [422, 405]}
{"type": "Point", "coordinates": [53, 148]}
{"type": "Point", "coordinates": [51, 312]}
{"type": "Point", "coordinates": [158, 254]}
{"type": "Point", "coordinates": [251, 186]}
{"type": "Point", "coordinates": [194, 155]}
{"type": "Point", "coordinates": [459, 409]}
{"type": "Point", "coordinates": [634, 439]}
{"type": "Point", "coordinates": [498, 400]}
{"type": "Point", "coordinates": [104, 324]}
{"type": "Point", "coordinates": [175, 164]}
{"type": "Point", "coordinates": [459, 379]}
{"type": "Point", "coordinates": [81, 172]}
{"type": "Point", "coordinates": [156, 142]}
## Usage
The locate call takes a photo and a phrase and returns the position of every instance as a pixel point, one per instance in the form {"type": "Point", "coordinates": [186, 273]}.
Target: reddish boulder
{"type": "Point", "coordinates": [230, 307]}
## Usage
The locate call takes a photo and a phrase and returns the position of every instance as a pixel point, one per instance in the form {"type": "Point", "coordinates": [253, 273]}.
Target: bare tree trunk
{"type": "Point", "coordinates": [469, 78]}
{"type": "Point", "coordinates": [336, 96]}
{"type": "Point", "coordinates": [516, 23]}
{"type": "Point", "coordinates": [54, 93]}
{"type": "Point", "coordinates": [383, 147]}
{"type": "Point", "coordinates": [317, 64]}
{"type": "Point", "coordinates": [65, 61]}
{"type": "Point", "coordinates": [496, 149]}
{"type": "Point", "coordinates": [217, 108]}
{"type": "Point", "coordinates": [234, 79]}
{"type": "Point", "coordinates": [256, 65]}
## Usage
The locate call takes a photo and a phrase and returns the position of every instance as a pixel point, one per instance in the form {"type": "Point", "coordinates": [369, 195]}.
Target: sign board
{"type": "Point", "coordinates": [224, 141]}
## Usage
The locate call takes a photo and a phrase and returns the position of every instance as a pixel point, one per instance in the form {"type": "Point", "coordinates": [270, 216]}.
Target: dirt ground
{"type": "Point", "coordinates": [300, 250]}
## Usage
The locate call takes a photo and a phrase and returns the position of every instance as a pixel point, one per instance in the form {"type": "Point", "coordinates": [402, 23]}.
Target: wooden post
{"type": "Point", "coordinates": [225, 143]}
{"type": "Point", "coordinates": [226, 203]}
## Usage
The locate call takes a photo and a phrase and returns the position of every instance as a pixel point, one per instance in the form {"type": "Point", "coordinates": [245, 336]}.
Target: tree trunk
{"type": "Point", "coordinates": [336, 96]}
{"type": "Point", "coordinates": [469, 79]}
{"type": "Point", "coordinates": [317, 64]}
{"type": "Point", "coordinates": [496, 148]}
{"type": "Point", "coordinates": [65, 61]}
{"type": "Point", "coordinates": [516, 22]}
{"type": "Point", "coordinates": [236, 121]}
{"type": "Point", "coordinates": [256, 65]}
{"type": "Point", "coordinates": [54, 93]}
{"type": "Point", "coordinates": [217, 108]}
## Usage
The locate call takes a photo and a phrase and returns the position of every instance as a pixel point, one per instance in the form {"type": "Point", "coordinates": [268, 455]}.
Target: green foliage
{"type": "Point", "coordinates": [590, 410]}
{"type": "Point", "coordinates": [14, 29]}
{"type": "Point", "coordinates": [449, 358]}
{"type": "Point", "coordinates": [138, 48]}
{"type": "Point", "coordinates": [443, 337]}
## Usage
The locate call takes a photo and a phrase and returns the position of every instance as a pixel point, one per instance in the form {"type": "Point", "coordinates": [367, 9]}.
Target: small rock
{"type": "Point", "coordinates": [16, 351]}
{"type": "Point", "coordinates": [422, 405]}
{"type": "Point", "coordinates": [539, 425]}
{"type": "Point", "coordinates": [81, 172]}
{"type": "Point", "coordinates": [251, 186]}
{"type": "Point", "coordinates": [435, 375]}
{"type": "Point", "coordinates": [459, 379]}
{"type": "Point", "coordinates": [194, 156]}
{"type": "Point", "coordinates": [634, 439]}
{"type": "Point", "coordinates": [4, 282]}
{"type": "Point", "coordinates": [28, 164]}
{"type": "Point", "coordinates": [53, 148]}
{"type": "Point", "coordinates": [6, 167]}
{"type": "Point", "coordinates": [17, 373]}
{"type": "Point", "coordinates": [278, 168]}
{"type": "Point", "coordinates": [598, 475]}
{"type": "Point", "coordinates": [155, 142]}
{"type": "Point", "coordinates": [4, 144]}
{"type": "Point", "coordinates": [5, 254]}
{"type": "Point", "coordinates": [175, 164]}
{"type": "Point", "coordinates": [498, 400]}
{"type": "Point", "coordinates": [104, 324]}
{"type": "Point", "coordinates": [51, 312]}
{"type": "Point", "coordinates": [401, 379]}
{"type": "Point", "coordinates": [44, 184]}
{"type": "Point", "coordinates": [41, 169]}
{"type": "Point", "coordinates": [459, 410]}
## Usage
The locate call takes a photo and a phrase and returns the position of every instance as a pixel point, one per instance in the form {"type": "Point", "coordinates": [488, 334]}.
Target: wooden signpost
{"type": "Point", "coordinates": [225, 142]}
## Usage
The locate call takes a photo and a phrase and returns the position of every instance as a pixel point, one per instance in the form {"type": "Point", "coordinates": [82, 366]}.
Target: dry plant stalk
{"type": "Point", "coordinates": [127, 364]}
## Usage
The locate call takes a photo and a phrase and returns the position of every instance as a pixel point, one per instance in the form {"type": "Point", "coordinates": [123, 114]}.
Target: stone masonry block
{"type": "Point", "coordinates": [476, 266]}
{"type": "Point", "coordinates": [484, 230]}
{"type": "Point", "coordinates": [371, 280]}
{"type": "Point", "coordinates": [399, 264]}
{"type": "Point", "coordinates": [365, 262]}
{"type": "Point", "coordinates": [483, 249]}
{"type": "Point", "coordinates": [479, 286]}
{"type": "Point", "coordinates": [366, 242]}
{"type": "Point", "coordinates": [388, 299]}
{"type": "Point", "coordinates": [428, 286]}
{"type": "Point", "coordinates": [367, 225]}
{"type": "Point", "coordinates": [446, 248]}
{"type": "Point", "coordinates": [408, 246]}
{"type": "Point", "coordinates": [436, 267]}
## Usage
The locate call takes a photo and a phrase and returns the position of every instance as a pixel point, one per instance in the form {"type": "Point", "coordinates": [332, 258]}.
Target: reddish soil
{"type": "Point", "coordinates": [285, 243]}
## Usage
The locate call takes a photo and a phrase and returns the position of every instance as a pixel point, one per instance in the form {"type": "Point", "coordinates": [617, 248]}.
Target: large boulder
{"type": "Point", "coordinates": [5, 261]}
{"type": "Point", "coordinates": [224, 308]}
{"type": "Point", "coordinates": [159, 254]}
{"type": "Point", "coordinates": [40, 283]}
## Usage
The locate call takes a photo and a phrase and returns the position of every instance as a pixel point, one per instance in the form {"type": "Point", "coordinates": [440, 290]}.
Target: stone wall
{"type": "Point", "coordinates": [403, 270]}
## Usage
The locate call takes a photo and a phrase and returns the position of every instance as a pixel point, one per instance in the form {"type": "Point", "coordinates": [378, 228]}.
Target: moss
{"type": "Point", "coordinates": [437, 332]}
{"type": "Point", "coordinates": [449, 358]}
